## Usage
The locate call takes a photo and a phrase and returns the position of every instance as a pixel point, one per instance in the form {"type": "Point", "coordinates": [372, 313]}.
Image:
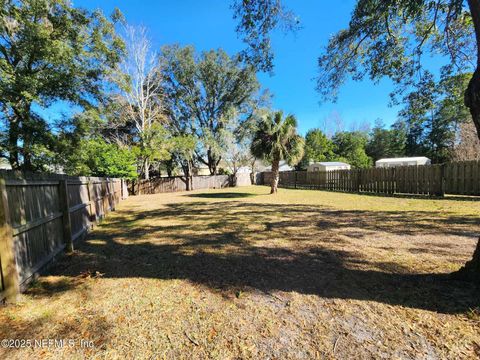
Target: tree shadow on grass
{"type": "Point", "coordinates": [46, 287]}
{"type": "Point", "coordinates": [221, 195]}
{"type": "Point", "coordinates": [231, 246]}
{"type": "Point", "coordinates": [37, 329]}
{"type": "Point", "coordinates": [448, 197]}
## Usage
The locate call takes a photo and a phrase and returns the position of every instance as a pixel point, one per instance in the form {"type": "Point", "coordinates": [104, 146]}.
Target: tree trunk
{"type": "Point", "coordinates": [471, 270]}
{"type": "Point", "coordinates": [146, 169]}
{"type": "Point", "coordinates": [170, 166]}
{"type": "Point", "coordinates": [275, 176]}
{"type": "Point", "coordinates": [27, 154]}
{"type": "Point", "coordinates": [253, 173]}
{"type": "Point", "coordinates": [187, 172]}
{"type": "Point", "coordinates": [212, 162]}
{"type": "Point", "coordinates": [190, 176]}
{"type": "Point", "coordinates": [13, 145]}
{"type": "Point", "coordinates": [27, 145]}
{"type": "Point", "coordinates": [472, 99]}
{"type": "Point", "coordinates": [213, 169]}
{"type": "Point", "coordinates": [20, 129]}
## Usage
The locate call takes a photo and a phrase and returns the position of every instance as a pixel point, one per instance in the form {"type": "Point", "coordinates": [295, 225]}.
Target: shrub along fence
{"type": "Point", "coordinates": [43, 214]}
{"type": "Point", "coordinates": [458, 178]}
{"type": "Point", "coordinates": [179, 183]}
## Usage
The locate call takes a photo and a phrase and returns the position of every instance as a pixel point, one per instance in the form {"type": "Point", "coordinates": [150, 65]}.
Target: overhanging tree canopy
{"type": "Point", "coordinates": [49, 51]}
{"type": "Point", "coordinates": [384, 38]}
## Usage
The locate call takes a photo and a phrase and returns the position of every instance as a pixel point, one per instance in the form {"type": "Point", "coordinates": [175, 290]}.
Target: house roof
{"type": "Point", "coordinates": [5, 165]}
{"type": "Point", "coordinates": [331, 163]}
{"type": "Point", "coordinates": [417, 158]}
{"type": "Point", "coordinates": [283, 166]}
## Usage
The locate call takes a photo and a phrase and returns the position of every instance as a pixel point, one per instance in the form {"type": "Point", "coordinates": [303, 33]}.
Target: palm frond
{"type": "Point", "coordinates": [277, 139]}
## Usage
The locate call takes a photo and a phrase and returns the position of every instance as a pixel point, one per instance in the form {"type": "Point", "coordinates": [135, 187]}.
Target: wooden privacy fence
{"type": "Point", "coordinates": [179, 183]}
{"type": "Point", "coordinates": [462, 178]}
{"type": "Point", "coordinates": [43, 214]}
{"type": "Point", "coordinates": [459, 178]}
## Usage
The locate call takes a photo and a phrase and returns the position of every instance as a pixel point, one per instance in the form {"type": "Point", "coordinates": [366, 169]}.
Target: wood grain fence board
{"type": "Point", "coordinates": [472, 178]}
{"type": "Point", "coordinates": [402, 174]}
{"type": "Point", "coordinates": [475, 176]}
{"type": "Point", "coordinates": [420, 180]}
{"type": "Point", "coordinates": [424, 181]}
{"type": "Point", "coordinates": [386, 180]}
{"type": "Point", "coordinates": [454, 188]}
{"type": "Point", "coordinates": [462, 178]}
{"type": "Point", "coordinates": [369, 174]}
{"type": "Point", "coordinates": [65, 197]}
{"type": "Point", "coordinates": [9, 284]}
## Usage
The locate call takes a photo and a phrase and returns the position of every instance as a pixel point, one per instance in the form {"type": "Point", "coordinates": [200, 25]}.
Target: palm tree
{"type": "Point", "coordinates": [276, 139]}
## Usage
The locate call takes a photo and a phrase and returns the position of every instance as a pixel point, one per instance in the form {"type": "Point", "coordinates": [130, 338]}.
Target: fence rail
{"type": "Point", "coordinates": [43, 214]}
{"type": "Point", "coordinates": [458, 178]}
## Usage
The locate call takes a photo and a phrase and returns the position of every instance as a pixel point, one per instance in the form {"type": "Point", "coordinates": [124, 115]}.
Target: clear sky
{"type": "Point", "coordinates": [209, 24]}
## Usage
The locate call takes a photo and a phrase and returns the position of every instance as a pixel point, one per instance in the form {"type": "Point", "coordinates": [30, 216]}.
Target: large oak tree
{"type": "Point", "coordinates": [206, 95]}
{"type": "Point", "coordinates": [49, 51]}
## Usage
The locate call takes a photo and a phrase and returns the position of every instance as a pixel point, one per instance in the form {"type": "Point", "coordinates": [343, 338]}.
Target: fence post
{"type": "Point", "coordinates": [65, 209]}
{"type": "Point", "coordinates": [103, 194]}
{"type": "Point", "coordinates": [111, 196]}
{"type": "Point", "coordinates": [359, 179]}
{"type": "Point", "coordinates": [295, 179]}
{"type": "Point", "coordinates": [91, 200]}
{"type": "Point", "coordinates": [443, 180]}
{"type": "Point", "coordinates": [9, 270]}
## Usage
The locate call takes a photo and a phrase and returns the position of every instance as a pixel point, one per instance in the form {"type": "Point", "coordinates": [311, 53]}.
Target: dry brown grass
{"type": "Point", "coordinates": [237, 273]}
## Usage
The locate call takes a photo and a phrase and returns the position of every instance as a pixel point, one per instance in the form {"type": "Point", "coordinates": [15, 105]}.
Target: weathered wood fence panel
{"type": "Point", "coordinates": [160, 185]}
{"type": "Point", "coordinates": [178, 183]}
{"type": "Point", "coordinates": [463, 178]}
{"type": "Point", "coordinates": [211, 182]}
{"type": "Point", "coordinates": [43, 214]}
{"type": "Point", "coordinates": [460, 178]}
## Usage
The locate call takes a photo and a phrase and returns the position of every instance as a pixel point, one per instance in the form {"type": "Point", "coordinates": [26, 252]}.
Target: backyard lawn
{"type": "Point", "coordinates": [237, 273]}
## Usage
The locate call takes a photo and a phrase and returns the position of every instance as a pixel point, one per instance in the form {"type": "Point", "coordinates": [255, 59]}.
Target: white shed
{"type": "Point", "coordinates": [5, 165]}
{"type": "Point", "coordinates": [282, 166]}
{"type": "Point", "coordinates": [405, 161]}
{"type": "Point", "coordinates": [328, 166]}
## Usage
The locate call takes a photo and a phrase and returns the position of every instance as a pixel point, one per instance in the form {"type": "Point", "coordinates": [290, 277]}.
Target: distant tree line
{"type": "Point", "coordinates": [433, 123]}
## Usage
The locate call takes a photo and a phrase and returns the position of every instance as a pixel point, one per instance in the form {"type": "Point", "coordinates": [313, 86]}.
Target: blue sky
{"type": "Point", "coordinates": [209, 24]}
